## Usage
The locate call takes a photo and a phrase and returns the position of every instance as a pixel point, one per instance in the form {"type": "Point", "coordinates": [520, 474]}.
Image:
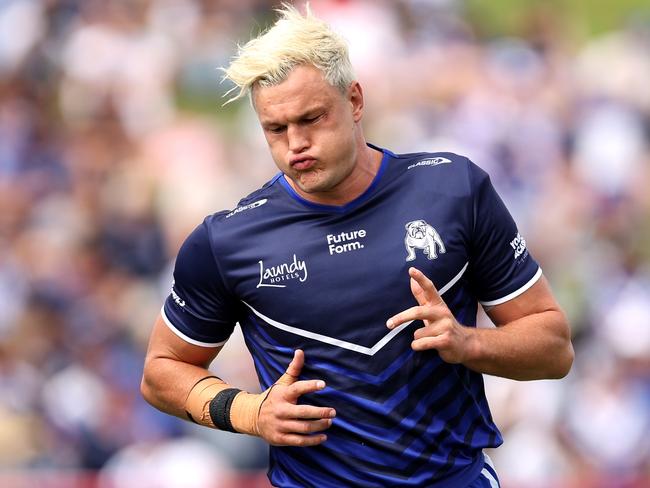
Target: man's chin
{"type": "Point", "coordinates": [310, 183]}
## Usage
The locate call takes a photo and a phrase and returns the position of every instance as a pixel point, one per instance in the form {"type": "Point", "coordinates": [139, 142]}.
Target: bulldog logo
{"type": "Point", "coordinates": [420, 235]}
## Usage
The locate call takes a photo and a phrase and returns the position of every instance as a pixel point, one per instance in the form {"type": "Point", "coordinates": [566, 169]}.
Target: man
{"type": "Point", "coordinates": [354, 275]}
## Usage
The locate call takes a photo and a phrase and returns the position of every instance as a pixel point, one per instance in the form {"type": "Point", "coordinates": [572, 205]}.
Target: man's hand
{"type": "Point", "coordinates": [441, 331]}
{"type": "Point", "coordinates": [281, 422]}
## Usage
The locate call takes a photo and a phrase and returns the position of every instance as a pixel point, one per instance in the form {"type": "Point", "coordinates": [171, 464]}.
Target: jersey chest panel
{"type": "Point", "coordinates": [344, 275]}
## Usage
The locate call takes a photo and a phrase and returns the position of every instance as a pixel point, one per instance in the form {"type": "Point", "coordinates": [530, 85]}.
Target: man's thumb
{"type": "Point", "coordinates": [294, 369]}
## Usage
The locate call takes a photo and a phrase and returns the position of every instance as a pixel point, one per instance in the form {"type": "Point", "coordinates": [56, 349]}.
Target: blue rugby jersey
{"type": "Point", "coordinates": [295, 274]}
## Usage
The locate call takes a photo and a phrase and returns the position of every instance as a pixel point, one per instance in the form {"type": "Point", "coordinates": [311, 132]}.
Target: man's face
{"type": "Point", "coordinates": [311, 129]}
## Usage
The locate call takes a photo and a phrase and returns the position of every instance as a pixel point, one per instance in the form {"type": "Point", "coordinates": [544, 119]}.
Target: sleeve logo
{"type": "Point", "coordinates": [179, 301]}
{"type": "Point", "coordinates": [518, 244]}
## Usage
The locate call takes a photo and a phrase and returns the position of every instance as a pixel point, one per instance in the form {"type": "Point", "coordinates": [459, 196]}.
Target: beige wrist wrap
{"type": "Point", "coordinates": [243, 411]}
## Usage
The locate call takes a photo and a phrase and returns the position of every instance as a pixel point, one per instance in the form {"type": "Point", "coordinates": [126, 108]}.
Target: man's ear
{"type": "Point", "coordinates": [355, 95]}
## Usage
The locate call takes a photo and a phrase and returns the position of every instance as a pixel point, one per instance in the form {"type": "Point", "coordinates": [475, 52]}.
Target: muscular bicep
{"type": "Point", "coordinates": [172, 367]}
{"type": "Point", "coordinates": [165, 344]}
{"type": "Point", "coordinates": [537, 299]}
{"type": "Point", "coordinates": [532, 339]}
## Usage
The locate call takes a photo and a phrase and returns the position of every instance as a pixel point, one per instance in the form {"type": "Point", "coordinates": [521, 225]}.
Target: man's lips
{"type": "Point", "coordinates": [302, 163]}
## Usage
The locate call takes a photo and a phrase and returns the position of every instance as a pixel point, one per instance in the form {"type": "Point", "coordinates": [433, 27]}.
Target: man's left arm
{"type": "Point", "coordinates": [531, 340]}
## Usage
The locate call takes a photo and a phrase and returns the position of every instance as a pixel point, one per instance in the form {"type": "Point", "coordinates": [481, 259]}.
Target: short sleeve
{"type": "Point", "coordinates": [501, 268]}
{"type": "Point", "coordinates": [199, 308]}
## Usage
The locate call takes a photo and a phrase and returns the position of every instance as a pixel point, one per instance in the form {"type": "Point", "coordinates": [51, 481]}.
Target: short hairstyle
{"type": "Point", "coordinates": [295, 39]}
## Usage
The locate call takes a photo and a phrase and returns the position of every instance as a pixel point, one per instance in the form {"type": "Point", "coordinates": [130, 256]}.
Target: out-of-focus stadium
{"type": "Point", "coordinates": [114, 146]}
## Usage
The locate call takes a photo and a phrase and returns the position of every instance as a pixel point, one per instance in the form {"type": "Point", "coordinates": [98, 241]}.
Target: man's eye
{"type": "Point", "coordinates": [276, 130]}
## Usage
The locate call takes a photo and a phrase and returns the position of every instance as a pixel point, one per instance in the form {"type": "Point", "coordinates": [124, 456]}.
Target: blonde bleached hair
{"type": "Point", "coordinates": [295, 39]}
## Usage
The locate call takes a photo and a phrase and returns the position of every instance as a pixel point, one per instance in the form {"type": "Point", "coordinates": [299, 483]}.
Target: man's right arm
{"type": "Point", "coordinates": [172, 367]}
{"type": "Point", "coordinates": [176, 381]}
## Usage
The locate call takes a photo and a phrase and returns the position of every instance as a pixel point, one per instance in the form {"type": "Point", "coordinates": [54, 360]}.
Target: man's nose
{"type": "Point", "coordinates": [298, 139]}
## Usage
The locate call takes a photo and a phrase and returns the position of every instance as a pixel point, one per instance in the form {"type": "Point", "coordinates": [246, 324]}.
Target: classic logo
{"type": "Point", "coordinates": [256, 204]}
{"type": "Point", "coordinates": [420, 235]}
{"type": "Point", "coordinates": [273, 276]}
{"type": "Point", "coordinates": [429, 162]}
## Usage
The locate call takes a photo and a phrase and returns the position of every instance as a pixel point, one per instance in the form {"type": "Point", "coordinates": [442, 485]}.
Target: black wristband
{"type": "Point", "coordinates": [220, 409]}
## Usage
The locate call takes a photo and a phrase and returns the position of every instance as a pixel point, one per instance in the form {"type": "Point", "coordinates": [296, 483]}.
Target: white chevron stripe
{"type": "Point", "coordinates": [370, 351]}
{"type": "Point", "coordinates": [453, 281]}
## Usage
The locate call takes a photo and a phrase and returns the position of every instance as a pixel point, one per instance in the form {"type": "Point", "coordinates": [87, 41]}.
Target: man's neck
{"type": "Point", "coordinates": [354, 185]}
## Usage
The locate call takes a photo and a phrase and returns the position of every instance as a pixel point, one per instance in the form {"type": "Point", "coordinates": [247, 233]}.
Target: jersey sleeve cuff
{"type": "Point", "coordinates": [173, 328]}
{"type": "Point", "coordinates": [515, 293]}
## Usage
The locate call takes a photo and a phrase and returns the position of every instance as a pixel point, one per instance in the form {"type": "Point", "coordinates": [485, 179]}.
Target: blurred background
{"type": "Point", "coordinates": [114, 146]}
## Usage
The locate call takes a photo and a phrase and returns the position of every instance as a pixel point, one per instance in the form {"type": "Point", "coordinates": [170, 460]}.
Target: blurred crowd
{"type": "Point", "coordinates": [114, 146]}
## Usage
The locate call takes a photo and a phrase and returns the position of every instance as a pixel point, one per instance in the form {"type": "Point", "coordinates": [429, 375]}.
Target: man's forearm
{"type": "Point", "coordinates": [533, 347]}
{"type": "Point", "coordinates": [187, 391]}
{"type": "Point", "coordinates": [166, 384]}
{"type": "Point", "coordinates": [181, 388]}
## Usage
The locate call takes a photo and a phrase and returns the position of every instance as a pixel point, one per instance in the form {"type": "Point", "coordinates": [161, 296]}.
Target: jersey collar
{"type": "Point", "coordinates": [350, 205]}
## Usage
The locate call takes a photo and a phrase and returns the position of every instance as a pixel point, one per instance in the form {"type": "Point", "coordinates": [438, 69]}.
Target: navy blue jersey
{"type": "Point", "coordinates": [295, 274]}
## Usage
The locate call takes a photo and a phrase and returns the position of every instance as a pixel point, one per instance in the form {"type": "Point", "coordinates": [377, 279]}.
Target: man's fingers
{"type": "Point", "coordinates": [415, 313]}
{"type": "Point", "coordinates": [298, 440]}
{"type": "Point", "coordinates": [426, 343]}
{"type": "Point", "coordinates": [306, 426]}
{"type": "Point", "coordinates": [418, 292]}
{"type": "Point", "coordinates": [434, 330]}
{"type": "Point", "coordinates": [310, 412]}
{"type": "Point", "coordinates": [404, 316]}
{"type": "Point", "coordinates": [423, 288]}
{"type": "Point", "coordinates": [431, 305]}
{"type": "Point", "coordinates": [294, 368]}
{"type": "Point", "coordinates": [303, 387]}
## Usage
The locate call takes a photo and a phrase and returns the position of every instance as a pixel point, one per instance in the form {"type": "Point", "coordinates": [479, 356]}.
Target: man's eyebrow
{"type": "Point", "coordinates": [304, 114]}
